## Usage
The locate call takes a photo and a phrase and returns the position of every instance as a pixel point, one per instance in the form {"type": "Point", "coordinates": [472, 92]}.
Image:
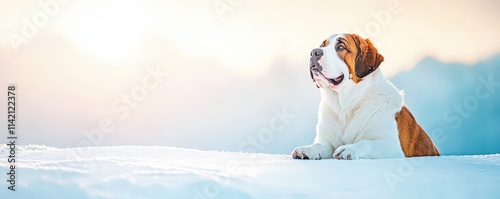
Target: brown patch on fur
{"type": "Point", "coordinates": [414, 140]}
{"type": "Point", "coordinates": [325, 43]}
{"type": "Point", "coordinates": [361, 57]}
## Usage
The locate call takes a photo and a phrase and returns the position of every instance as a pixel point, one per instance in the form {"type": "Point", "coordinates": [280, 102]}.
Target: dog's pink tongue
{"type": "Point", "coordinates": [337, 79]}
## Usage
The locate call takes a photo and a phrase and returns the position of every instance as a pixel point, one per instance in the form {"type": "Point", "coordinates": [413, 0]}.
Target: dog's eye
{"type": "Point", "coordinates": [340, 48]}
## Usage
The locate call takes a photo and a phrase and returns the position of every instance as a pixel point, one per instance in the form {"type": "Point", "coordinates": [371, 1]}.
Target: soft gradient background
{"type": "Point", "coordinates": [231, 70]}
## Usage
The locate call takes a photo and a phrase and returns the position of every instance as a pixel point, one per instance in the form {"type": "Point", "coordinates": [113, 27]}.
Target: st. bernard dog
{"type": "Point", "coordinates": [361, 114]}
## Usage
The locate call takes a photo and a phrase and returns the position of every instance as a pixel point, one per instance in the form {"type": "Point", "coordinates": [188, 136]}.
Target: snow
{"type": "Point", "coordinates": [167, 172]}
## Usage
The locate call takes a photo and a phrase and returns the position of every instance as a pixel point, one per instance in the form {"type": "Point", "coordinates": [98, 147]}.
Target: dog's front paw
{"type": "Point", "coordinates": [306, 153]}
{"type": "Point", "coordinates": [346, 152]}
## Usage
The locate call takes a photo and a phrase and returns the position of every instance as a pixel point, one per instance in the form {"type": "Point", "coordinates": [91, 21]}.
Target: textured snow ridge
{"type": "Point", "coordinates": [167, 172]}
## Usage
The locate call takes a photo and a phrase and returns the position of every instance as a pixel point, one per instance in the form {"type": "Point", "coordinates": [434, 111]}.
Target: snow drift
{"type": "Point", "coordinates": [166, 172]}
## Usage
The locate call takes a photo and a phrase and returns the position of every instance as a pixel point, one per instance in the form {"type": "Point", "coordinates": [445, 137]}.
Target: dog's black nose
{"type": "Point", "coordinates": [317, 52]}
{"type": "Point", "coordinates": [316, 55]}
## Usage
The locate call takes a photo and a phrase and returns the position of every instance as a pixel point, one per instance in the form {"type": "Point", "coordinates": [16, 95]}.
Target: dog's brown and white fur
{"type": "Point", "coordinates": [361, 114]}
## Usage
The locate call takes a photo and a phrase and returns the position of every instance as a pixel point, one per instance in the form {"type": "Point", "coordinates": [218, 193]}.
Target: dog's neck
{"type": "Point", "coordinates": [350, 96]}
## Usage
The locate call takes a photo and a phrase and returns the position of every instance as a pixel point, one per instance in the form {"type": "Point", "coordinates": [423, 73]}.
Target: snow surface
{"type": "Point", "coordinates": [167, 172]}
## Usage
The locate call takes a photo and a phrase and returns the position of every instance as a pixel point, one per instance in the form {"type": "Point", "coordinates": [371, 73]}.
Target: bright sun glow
{"type": "Point", "coordinates": [113, 31]}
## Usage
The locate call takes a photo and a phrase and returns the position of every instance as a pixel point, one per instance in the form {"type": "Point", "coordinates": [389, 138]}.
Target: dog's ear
{"type": "Point", "coordinates": [368, 59]}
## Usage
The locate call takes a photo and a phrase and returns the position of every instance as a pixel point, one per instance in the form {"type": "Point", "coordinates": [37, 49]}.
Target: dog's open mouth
{"type": "Point", "coordinates": [333, 81]}
{"type": "Point", "coordinates": [337, 80]}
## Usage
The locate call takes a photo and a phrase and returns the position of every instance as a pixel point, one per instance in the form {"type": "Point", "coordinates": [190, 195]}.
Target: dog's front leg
{"type": "Point", "coordinates": [316, 151]}
{"type": "Point", "coordinates": [325, 137]}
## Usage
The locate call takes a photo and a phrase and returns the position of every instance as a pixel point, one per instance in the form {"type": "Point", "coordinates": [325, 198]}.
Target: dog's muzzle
{"type": "Point", "coordinates": [316, 55]}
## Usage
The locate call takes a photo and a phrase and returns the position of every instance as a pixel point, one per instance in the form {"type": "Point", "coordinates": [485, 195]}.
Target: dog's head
{"type": "Point", "coordinates": [343, 59]}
